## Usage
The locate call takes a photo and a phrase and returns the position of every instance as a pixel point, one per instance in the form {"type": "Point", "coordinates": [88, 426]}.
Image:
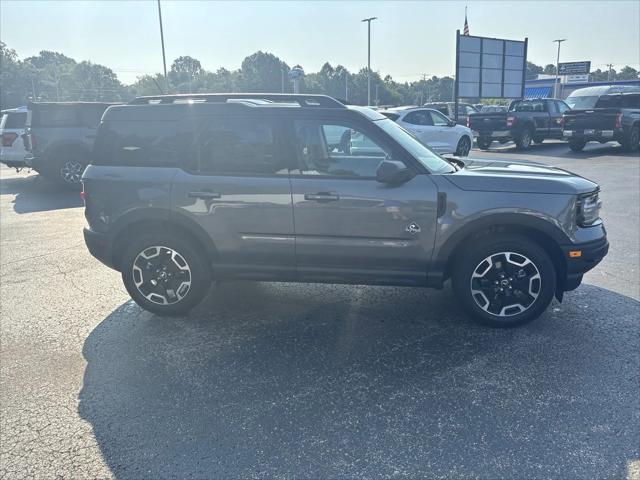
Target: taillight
{"type": "Point", "coordinates": [8, 139]}
{"type": "Point", "coordinates": [618, 120]}
{"type": "Point", "coordinates": [468, 122]}
{"type": "Point", "coordinates": [83, 195]}
{"type": "Point", "coordinates": [510, 121]}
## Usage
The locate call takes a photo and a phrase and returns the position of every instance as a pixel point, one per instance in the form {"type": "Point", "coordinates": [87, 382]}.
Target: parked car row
{"type": "Point", "coordinates": [601, 114]}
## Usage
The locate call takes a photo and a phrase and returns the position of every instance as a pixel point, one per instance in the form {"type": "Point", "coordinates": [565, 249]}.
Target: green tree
{"type": "Point", "coordinates": [628, 73]}
{"type": "Point", "coordinates": [533, 70]}
{"type": "Point", "coordinates": [263, 72]}
{"type": "Point", "coordinates": [549, 69]}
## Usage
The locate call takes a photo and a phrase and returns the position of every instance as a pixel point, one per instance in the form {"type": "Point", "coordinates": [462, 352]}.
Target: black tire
{"type": "Point", "coordinates": [631, 143]}
{"type": "Point", "coordinates": [67, 168]}
{"type": "Point", "coordinates": [494, 312]}
{"type": "Point", "coordinates": [538, 140]}
{"type": "Point", "coordinates": [523, 141]}
{"type": "Point", "coordinates": [577, 145]}
{"type": "Point", "coordinates": [484, 143]}
{"type": "Point", "coordinates": [464, 147]}
{"type": "Point", "coordinates": [159, 246]}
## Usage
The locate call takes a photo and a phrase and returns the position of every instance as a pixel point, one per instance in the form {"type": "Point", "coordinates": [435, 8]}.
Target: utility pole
{"type": "Point", "coordinates": [282, 73]}
{"type": "Point", "coordinates": [164, 59]}
{"type": "Point", "coordinates": [346, 86]}
{"type": "Point", "coordinates": [424, 82]}
{"type": "Point", "coordinates": [610, 65]}
{"type": "Point", "coordinates": [555, 86]}
{"type": "Point", "coordinates": [377, 94]}
{"type": "Point", "coordinates": [368, 20]}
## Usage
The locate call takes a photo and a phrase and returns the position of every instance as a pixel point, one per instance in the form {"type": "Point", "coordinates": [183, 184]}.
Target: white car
{"type": "Point", "coordinates": [433, 129]}
{"type": "Point", "coordinates": [12, 125]}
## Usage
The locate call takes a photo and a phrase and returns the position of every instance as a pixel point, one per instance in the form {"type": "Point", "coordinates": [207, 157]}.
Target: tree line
{"type": "Point", "coordinates": [52, 76]}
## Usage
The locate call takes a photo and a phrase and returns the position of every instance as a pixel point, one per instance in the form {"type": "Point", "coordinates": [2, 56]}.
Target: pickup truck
{"type": "Point", "coordinates": [59, 138]}
{"type": "Point", "coordinates": [525, 121]}
{"type": "Point", "coordinates": [614, 117]}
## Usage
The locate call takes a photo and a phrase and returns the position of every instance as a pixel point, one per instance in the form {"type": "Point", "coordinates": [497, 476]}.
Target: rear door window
{"type": "Point", "coordinates": [238, 146]}
{"type": "Point", "coordinates": [418, 118]}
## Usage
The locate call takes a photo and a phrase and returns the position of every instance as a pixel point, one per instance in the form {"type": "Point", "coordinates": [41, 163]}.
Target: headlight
{"type": "Point", "coordinates": [588, 212]}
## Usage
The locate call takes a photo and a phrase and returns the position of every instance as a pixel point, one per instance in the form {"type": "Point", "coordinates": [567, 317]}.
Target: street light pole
{"type": "Point", "coordinates": [369, 20]}
{"type": "Point", "coordinates": [164, 59]}
{"type": "Point", "coordinates": [555, 86]}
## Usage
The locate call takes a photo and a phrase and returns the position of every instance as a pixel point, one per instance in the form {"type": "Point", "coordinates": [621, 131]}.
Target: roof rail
{"type": "Point", "coordinates": [311, 100]}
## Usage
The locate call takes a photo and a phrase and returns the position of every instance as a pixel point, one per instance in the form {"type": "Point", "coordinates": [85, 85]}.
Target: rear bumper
{"type": "Point", "coordinates": [585, 256]}
{"type": "Point", "coordinates": [593, 135]}
{"type": "Point", "coordinates": [492, 134]}
{"type": "Point", "coordinates": [100, 246]}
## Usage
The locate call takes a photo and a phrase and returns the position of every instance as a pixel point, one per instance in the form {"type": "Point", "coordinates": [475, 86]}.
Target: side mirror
{"type": "Point", "coordinates": [392, 172]}
{"type": "Point", "coordinates": [452, 123]}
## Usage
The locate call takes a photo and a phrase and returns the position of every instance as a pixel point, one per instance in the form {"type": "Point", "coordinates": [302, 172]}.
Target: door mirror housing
{"type": "Point", "coordinates": [392, 172]}
{"type": "Point", "coordinates": [452, 123]}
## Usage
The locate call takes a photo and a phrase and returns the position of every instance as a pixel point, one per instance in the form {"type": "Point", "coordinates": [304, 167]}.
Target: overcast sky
{"type": "Point", "coordinates": [408, 39]}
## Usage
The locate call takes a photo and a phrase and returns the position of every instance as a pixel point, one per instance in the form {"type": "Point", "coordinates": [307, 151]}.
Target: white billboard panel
{"type": "Point", "coordinates": [490, 67]}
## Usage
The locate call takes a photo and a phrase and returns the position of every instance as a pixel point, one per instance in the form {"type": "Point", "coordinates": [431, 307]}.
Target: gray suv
{"type": "Point", "coordinates": [183, 190]}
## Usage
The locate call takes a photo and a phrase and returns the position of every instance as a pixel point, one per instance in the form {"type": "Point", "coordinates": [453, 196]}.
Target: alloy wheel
{"type": "Point", "coordinates": [464, 147]}
{"type": "Point", "coordinates": [71, 172]}
{"type": "Point", "coordinates": [505, 284]}
{"type": "Point", "coordinates": [161, 275]}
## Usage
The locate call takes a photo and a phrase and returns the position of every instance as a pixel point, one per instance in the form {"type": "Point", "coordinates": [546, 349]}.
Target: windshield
{"type": "Point", "coordinates": [431, 160]}
{"type": "Point", "coordinates": [580, 102]}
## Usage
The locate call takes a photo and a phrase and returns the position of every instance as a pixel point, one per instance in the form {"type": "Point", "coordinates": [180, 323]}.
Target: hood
{"type": "Point", "coordinates": [507, 176]}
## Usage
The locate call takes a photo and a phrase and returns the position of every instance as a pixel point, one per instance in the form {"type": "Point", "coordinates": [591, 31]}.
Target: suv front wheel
{"type": "Point", "coordinates": [505, 281]}
{"type": "Point", "coordinates": [165, 274]}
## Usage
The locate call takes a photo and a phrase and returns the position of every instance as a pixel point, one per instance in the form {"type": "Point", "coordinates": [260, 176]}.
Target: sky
{"type": "Point", "coordinates": [409, 39]}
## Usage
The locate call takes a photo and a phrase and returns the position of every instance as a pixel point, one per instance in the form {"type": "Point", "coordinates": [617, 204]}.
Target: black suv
{"type": "Point", "coordinates": [186, 189]}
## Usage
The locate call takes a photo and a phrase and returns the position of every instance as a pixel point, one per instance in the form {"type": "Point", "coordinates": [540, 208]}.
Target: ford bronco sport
{"type": "Point", "coordinates": [186, 189]}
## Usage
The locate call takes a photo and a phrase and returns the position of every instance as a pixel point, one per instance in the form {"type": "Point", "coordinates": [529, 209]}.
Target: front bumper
{"type": "Point", "coordinates": [100, 246]}
{"type": "Point", "coordinates": [580, 258]}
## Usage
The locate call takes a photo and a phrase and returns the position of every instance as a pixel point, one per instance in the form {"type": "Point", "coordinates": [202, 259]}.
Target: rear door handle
{"type": "Point", "coordinates": [321, 197]}
{"type": "Point", "coordinates": [204, 195]}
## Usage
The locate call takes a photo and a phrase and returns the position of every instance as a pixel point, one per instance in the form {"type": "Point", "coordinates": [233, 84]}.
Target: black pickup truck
{"type": "Point", "coordinates": [614, 117]}
{"type": "Point", "coordinates": [525, 121]}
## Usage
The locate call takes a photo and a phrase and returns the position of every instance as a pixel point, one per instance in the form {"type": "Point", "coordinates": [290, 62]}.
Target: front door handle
{"type": "Point", "coordinates": [321, 197]}
{"type": "Point", "coordinates": [204, 195]}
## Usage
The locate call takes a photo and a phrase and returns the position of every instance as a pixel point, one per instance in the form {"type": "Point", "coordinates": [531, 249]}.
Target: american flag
{"type": "Point", "coordinates": [466, 24]}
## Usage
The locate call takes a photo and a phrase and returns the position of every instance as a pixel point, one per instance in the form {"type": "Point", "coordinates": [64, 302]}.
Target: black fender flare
{"type": "Point", "coordinates": [159, 216]}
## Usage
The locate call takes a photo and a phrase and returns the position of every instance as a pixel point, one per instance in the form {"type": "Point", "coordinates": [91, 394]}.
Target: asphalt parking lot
{"type": "Point", "coordinates": [312, 381]}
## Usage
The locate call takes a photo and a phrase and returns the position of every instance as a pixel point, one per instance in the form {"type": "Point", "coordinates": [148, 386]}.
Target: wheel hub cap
{"type": "Point", "coordinates": [505, 284]}
{"type": "Point", "coordinates": [71, 172]}
{"type": "Point", "coordinates": [161, 275]}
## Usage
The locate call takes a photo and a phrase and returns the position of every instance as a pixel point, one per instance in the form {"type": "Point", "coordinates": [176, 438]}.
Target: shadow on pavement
{"type": "Point", "coordinates": [321, 381]}
{"type": "Point", "coordinates": [562, 150]}
{"type": "Point", "coordinates": [34, 193]}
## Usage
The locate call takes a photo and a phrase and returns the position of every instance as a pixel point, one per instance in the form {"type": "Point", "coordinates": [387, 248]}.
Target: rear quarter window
{"type": "Point", "coordinates": [14, 120]}
{"type": "Point", "coordinates": [144, 143]}
{"type": "Point", "coordinates": [58, 116]}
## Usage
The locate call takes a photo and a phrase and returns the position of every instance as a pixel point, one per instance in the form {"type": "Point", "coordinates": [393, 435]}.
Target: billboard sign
{"type": "Point", "coordinates": [489, 67]}
{"type": "Point", "coordinates": [574, 68]}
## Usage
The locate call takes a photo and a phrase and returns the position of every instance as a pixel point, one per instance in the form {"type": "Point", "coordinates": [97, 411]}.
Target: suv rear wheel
{"type": "Point", "coordinates": [505, 281]}
{"type": "Point", "coordinates": [165, 274]}
{"type": "Point", "coordinates": [68, 167]}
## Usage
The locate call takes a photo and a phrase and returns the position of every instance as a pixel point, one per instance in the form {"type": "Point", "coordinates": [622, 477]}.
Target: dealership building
{"type": "Point", "coordinates": [543, 87]}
